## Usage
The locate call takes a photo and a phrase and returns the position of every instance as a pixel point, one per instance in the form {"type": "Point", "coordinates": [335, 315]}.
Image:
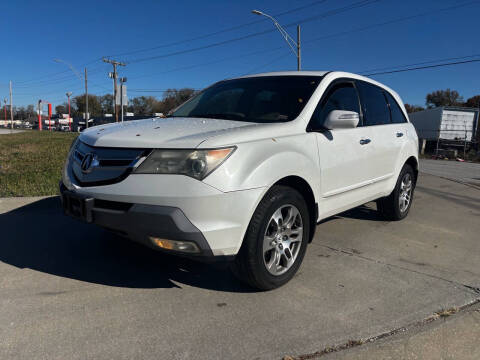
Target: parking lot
{"type": "Point", "coordinates": [69, 290]}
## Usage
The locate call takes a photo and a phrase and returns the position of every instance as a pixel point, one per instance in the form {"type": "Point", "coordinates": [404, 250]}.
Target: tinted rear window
{"type": "Point", "coordinates": [397, 113]}
{"type": "Point", "coordinates": [265, 99]}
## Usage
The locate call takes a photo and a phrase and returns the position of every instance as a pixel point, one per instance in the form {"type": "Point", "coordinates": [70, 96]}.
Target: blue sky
{"type": "Point", "coordinates": [34, 33]}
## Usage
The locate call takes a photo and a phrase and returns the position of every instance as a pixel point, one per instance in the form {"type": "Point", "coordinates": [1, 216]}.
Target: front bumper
{"type": "Point", "coordinates": [175, 208]}
{"type": "Point", "coordinates": [138, 222]}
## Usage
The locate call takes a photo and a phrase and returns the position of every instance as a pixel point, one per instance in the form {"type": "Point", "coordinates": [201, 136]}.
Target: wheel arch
{"type": "Point", "coordinates": [304, 188]}
{"type": "Point", "coordinates": [413, 162]}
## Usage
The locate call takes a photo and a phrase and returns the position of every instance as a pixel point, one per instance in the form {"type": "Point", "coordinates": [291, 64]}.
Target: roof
{"type": "Point", "coordinates": [288, 73]}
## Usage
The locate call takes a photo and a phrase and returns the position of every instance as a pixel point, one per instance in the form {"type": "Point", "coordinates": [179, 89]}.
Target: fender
{"type": "Point", "coordinates": [263, 163]}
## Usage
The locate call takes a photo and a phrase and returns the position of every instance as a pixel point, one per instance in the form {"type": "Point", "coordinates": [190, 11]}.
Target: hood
{"type": "Point", "coordinates": [157, 132]}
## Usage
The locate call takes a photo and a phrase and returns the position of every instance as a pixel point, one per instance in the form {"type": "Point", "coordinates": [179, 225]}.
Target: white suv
{"type": "Point", "coordinates": [246, 168]}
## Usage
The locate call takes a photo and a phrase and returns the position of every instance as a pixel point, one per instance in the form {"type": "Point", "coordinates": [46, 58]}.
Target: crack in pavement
{"type": "Point", "coordinates": [435, 316]}
{"type": "Point", "coordinates": [355, 343]}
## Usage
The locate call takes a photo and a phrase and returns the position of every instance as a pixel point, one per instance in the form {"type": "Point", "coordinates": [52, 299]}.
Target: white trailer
{"type": "Point", "coordinates": [446, 123]}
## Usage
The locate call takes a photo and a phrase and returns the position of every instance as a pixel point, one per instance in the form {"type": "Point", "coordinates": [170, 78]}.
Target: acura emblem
{"type": "Point", "coordinates": [89, 162]}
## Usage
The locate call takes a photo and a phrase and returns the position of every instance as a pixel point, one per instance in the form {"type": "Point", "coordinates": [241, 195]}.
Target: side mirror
{"type": "Point", "coordinates": [341, 119]}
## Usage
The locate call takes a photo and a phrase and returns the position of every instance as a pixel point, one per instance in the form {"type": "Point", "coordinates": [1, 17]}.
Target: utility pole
{"type": "Point", "coordinates": [86, 100]}
{"type": "Point", "coordinates": [11, 106]}
{"type": "Point", "coordinates": [69, 117]}
{"type": "Point", "coordinates": [115, 64]}
{"type": "Point", "coordinates": [123, 80]}
{"type": "Point", "coordinates": [299, 50]}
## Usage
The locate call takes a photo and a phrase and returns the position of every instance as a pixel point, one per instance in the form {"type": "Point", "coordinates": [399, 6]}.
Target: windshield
{"type": "Point", "coordinates": [265, 99]}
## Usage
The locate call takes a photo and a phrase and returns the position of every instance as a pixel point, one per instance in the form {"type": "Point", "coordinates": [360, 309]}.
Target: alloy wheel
{"type": "Point", "coordinates": [282, 240]}
{"type": "Point", "coordinates": [405, 196]}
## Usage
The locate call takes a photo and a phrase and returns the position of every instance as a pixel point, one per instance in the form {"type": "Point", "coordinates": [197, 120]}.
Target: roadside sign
{"type": "Point", "coordinates": [125, 97]}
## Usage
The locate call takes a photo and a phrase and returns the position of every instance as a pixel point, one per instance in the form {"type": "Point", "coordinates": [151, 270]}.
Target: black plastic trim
{"type": "Point", "coordinates": [141, 221]}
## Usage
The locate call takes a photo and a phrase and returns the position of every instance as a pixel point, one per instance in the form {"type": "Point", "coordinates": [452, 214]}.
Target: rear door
{"type": "Point", "coordinates": [387, 137]}
{"type": "Point", "coordinates": [344, 153]}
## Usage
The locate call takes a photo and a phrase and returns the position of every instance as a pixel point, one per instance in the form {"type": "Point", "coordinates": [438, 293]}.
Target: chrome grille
{"type": "Point", "coordinates": [111, 165]}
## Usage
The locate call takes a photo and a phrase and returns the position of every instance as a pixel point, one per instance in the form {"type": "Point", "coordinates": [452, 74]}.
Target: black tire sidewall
{"type": "Point", "coordinates": [396, 193]}
{"type": "Point", "coordinates": [274, 200]}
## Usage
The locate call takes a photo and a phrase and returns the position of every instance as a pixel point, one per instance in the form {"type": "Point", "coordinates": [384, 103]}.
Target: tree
{"type": "Point", "coordinates": [413, 108]}
{"type": "Point", "coordinates": [106, 102]}
{"type": "Point", "coordinates": [443, 98]}
{"type": "Point", "coordinates": [143, 105]}
{"type": "Point", "coordinates": [19, 113]}
{"type": "Point", "coordinates": [473, 102]}
{"type": "Point", "coordinates": [172, 98]}
{"type": "Point", "coordinates": [61, 109]}
{"type": "Point", "coordinates": [94, 107]}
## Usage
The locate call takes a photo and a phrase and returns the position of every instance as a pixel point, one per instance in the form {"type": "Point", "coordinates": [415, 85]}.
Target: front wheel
{"type": "Point", "coordinates": [276, 240]}
{"type": "Point", "coordinates": [397, 205]}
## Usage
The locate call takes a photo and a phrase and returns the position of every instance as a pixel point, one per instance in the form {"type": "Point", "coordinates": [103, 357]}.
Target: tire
{"type": "Point", "coordinates": [279, 228]}
{"type": "Point", "coordinates": [394, 207]}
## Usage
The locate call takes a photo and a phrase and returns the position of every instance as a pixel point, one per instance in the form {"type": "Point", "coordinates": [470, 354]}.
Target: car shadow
{"type": "Point", "coordinates": [39, 237]}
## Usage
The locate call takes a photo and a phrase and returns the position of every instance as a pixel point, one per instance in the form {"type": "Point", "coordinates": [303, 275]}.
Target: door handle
{"type": "Point", "coordinates": [364, 141]}
{"type": "Point", "coordinates": [399, 134]}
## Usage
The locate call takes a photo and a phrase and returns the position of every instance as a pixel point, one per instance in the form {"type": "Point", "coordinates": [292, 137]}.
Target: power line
{"type": "Point", "coordinates": [405, 18]}
{"type": "Point", "coordinates": [56, 73]}
{"type": "Point", "coordinates": [248, 36]}
{"type": "Point", "coordinates": [374, 71]}
{"type": "Point", "coordinates": [209, 62]}
{"type": "Point", "coordinates": [68, 78]}
{"type": "Point", "coordinates": [256, 68]}
{"type": "Point", "coordinates": [371, 74]}
{"type": "Point", "coordinates": [200, 37]}
{"type": "Point", "coordinates": [356, 30]}
{"type": "Point", "coordinates": [425, 67]}
{"type": "Point", "coordinates": [420, 63]}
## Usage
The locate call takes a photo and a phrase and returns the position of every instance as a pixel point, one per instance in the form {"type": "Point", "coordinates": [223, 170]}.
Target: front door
{"type": "Point", "coordinates": [344, 154]}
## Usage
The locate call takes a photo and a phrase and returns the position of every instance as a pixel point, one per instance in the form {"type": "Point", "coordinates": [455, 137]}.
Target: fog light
{"type": "Point", "coordinates": [183, 246]}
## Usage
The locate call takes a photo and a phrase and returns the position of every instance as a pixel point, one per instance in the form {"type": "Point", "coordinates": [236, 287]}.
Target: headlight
{"type": "Point", "coordinates": [195, 163]}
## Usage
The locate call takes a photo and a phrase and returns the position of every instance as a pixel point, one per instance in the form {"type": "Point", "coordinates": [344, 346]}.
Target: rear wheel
{"type": "Point", "coordinates": [276, 240]}
{"type": "Point", "coordinates": [397, 205]}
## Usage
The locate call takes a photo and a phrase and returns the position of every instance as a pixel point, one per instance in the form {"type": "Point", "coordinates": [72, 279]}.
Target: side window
{"type": "Point", "coordinates": [397, 113]}
{"type": "Point", "coordinates": [375, 107]}
{"type": "Point", "coordinates": [342, 96]}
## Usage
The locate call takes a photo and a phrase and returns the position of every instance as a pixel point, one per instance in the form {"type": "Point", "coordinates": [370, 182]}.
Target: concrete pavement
{"type": "Point", "coordinates": [465, 172]}
{"type": "Point", "coordinates": [452, 337]}
{"type": "Point", "coordinates": [71, 290]}
{"type": "Point", "coordinates": [6, 131]}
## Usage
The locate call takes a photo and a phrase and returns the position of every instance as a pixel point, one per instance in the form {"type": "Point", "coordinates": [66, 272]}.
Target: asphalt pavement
{"type": "Point", "coordinates": [70, 290]}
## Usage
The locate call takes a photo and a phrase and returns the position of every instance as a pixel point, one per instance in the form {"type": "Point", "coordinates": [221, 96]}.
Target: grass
{"type": "Point", "coordinates": [31, 162]}
{"type": "Point", "coordinates": [446, 312]}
